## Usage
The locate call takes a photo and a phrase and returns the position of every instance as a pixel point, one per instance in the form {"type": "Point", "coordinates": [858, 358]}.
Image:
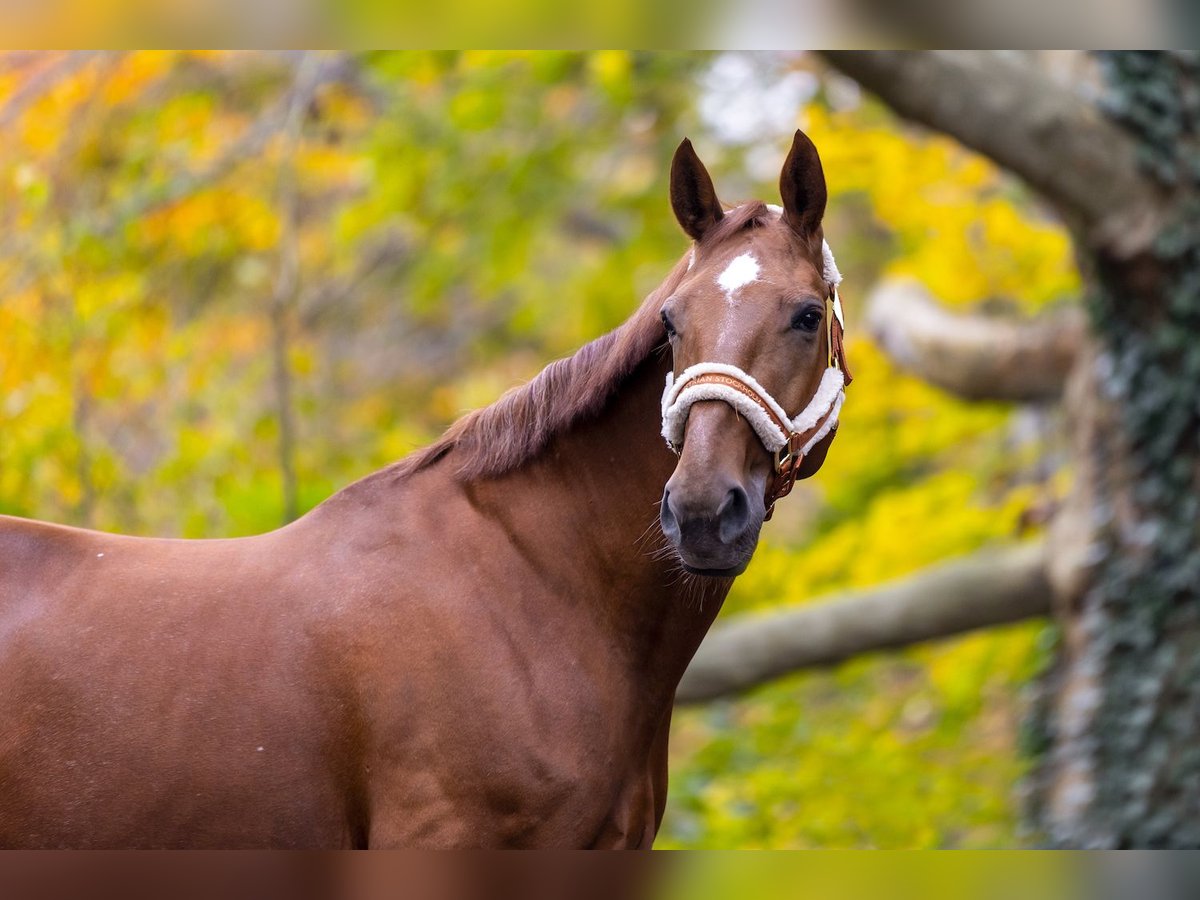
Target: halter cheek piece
{"type": "Point", "coordinates": [787, 439]}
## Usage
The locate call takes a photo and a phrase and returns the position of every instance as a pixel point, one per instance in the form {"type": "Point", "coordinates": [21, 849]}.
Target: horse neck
{"type": "Point", "coordinates": [587, 507]}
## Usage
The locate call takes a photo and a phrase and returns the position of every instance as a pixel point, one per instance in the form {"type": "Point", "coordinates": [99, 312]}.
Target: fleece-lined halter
{"type": "Point", "coordinates": [788, 439]}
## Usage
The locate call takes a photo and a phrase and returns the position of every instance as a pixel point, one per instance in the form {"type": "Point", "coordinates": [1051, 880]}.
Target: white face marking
{"type": "Point", "coordinates": [98, 555]}
{"type": "Point", "coordinates": [743, 270]}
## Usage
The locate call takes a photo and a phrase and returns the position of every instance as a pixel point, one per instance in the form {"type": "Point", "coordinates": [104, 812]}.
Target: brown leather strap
{"type": "Point", "coordinates": [788, 459]}
{"type": "Point", "coordinates": [785, 473]}
{"type": "Point", "coordinates": [745, 390]}
{"type": "Point", "coordinates": [784, 478]}
{"type": "Point", "coordinates": [839, 352]}
{"type": "Point", "coordinates": [787, 467]}
{"type": "Point", "coordinates": [835, 336]}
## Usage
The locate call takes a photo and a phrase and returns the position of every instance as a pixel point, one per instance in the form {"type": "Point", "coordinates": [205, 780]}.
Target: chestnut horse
{"type": "Point", "coordinates": [476, 646]}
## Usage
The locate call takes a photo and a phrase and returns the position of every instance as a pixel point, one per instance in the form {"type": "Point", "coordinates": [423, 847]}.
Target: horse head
{"type": "Point", "coordinates": [755, 334]}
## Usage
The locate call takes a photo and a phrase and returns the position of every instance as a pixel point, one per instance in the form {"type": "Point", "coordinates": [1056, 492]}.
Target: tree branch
{"type": "Point", "coordinates": [975, 356]}
{"type": "Point", "coordinates": [1082, 163]}
{"type": "Point", "coordinates": [991, 588]}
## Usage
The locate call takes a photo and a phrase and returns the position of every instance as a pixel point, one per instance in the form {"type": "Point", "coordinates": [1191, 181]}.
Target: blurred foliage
{"type": "Point", "coordinates": [459, 219]}
{"type": "Point", "coordinates": [840, 875]}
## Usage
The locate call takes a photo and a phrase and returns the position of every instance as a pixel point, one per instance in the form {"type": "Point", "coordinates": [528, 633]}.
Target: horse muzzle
{"type": "Point", "coordinates": [714, 530]}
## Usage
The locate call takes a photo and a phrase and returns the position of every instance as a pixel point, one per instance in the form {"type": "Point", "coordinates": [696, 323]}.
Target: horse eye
{"type": "Point", "coordinates": [807, 320]}
{"type": "Point", "coordinates": [668, 324]}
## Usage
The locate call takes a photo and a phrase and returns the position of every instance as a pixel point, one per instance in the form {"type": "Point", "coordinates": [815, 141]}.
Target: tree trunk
{"type": "Point", "coordinates": [1117, 726]}
{"type": "Point", "coordinates": [1119, 721]}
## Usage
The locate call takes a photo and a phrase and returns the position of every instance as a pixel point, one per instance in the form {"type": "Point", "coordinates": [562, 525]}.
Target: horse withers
{"type": "Point", "coordinates": [476, 646]}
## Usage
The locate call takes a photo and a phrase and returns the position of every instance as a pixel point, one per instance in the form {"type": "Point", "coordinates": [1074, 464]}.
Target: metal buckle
{"type": "Point", "coordinates": [787, 464]}
{"type": "Point", "coordinates": [783, 456]}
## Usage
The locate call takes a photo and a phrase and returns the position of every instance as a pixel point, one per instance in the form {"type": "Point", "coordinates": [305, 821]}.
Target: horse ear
{"type": "Point", "coordinates": [692, 195]}
{"type": "Point", "coordinates": [802, 186]}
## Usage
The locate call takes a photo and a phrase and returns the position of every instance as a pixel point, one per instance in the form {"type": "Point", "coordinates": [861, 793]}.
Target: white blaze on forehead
{"type": "Point", "coordinates": [743, 270]}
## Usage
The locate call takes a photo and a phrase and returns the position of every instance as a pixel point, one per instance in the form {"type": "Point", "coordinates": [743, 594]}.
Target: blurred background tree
{"type": "Point", "coordinates": [232, 283]}
{"type": "Point", "coordinates": [1111, 144]}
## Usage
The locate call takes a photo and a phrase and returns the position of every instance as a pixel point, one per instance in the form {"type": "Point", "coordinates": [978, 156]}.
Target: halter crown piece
{"type": "Point", "coordinates": [788, 438]}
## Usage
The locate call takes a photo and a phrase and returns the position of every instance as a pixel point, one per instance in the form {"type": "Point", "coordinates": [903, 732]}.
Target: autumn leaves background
{"type": "Point", "coordinates": [231, 283]}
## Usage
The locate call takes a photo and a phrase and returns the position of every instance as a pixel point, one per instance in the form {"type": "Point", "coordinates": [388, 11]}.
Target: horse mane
{"type": "Point", "coordinates": [521, 424]}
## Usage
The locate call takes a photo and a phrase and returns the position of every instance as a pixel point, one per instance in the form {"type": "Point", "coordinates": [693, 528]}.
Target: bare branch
{"type": "Point", "coordinates": [1083, 164]}
{"type": "Point", "coordinates": [994, 587]}
{"type": "Point", "coordinates": [979, 357]}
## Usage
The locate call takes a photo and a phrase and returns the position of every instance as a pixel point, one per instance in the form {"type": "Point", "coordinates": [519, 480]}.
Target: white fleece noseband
{"type": "Point", "coordinates": [680, 393]}
{"type": "Point", "coordinates": [678, 399]}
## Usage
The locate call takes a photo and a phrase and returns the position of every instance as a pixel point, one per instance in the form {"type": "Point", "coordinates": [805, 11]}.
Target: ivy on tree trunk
{"type": "Point", "coordinates": [1119, 721]}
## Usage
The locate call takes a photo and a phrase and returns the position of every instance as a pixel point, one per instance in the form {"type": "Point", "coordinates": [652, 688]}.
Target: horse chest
{"type": "Point", "coordinates": [505, 808]}
{"type": "Point", "coordinates": [518, 768]}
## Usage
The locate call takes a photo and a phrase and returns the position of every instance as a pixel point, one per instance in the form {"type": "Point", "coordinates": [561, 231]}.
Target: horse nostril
{"type": "Point", "coordinates": [733, 516]}
{"type": "Point", "coordinates": [666, 515]}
